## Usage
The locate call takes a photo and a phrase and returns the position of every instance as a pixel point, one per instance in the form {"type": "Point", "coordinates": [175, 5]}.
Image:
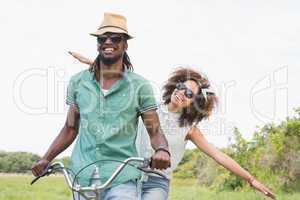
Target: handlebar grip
{"type": "Point", "coordinates": [34, 180]}
{"type": "Point", "coordinates": [47, 171]}
{"type": "Point", "coordinates": [150, 163]}
{"type": "Point", "coordinates": [145, 168]}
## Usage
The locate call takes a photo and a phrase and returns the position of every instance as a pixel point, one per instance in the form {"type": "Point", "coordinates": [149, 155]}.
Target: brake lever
{"type": "Point", "coordinates": [150, 171]}
{"type": "Point", "coordinates": [47, 172]}
{"type": "Point", "coordinates": [146, 164]}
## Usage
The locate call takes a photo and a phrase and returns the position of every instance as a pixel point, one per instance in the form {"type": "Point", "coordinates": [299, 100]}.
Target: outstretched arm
{"type": "Point", "coordinates": [80, 58]}
{"type": "Point", "coordinates": [199, 140]}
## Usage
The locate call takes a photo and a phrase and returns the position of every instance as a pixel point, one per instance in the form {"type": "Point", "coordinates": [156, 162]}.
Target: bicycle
{"type": "Point", "coordinates": [96, 188]}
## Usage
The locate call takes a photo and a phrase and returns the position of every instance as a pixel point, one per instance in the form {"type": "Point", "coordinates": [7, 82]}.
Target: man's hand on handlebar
{"type": "Point", "coordinates": [39, 167]}
{"type": "Point", "coordinates": [160, 160]}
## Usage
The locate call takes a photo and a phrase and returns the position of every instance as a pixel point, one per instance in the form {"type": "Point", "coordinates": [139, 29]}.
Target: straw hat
{"type": "Point", "coordinates": [112, 23]}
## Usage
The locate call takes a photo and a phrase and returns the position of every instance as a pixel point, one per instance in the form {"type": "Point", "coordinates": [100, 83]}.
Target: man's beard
{"type": "Point", "coordinates": [109, 61]}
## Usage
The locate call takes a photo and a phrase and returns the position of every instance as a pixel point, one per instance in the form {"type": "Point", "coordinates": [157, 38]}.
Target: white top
{"type": "Point", "coordinates": [104, 91]}
{"type": "Point", "coordinates": [175, 135]}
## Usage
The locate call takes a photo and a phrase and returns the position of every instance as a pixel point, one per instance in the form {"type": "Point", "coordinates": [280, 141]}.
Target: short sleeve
{"type": "Point", "coordinates": [146, 98]}
{"type": "Point", "coordinates": [71, 93]}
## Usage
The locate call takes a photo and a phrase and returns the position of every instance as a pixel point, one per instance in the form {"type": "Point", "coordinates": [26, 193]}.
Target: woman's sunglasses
{"type": "Point", "coordinates": [116, 39]}
{"type": "Point", "coordinates": [187, 92]}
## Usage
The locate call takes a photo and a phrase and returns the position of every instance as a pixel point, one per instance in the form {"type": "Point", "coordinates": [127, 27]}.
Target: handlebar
{"type": "Point", "coordinates": [59, 166]}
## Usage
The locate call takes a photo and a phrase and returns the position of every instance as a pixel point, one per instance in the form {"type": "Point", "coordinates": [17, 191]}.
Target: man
{"type": "Point", "coordinates": [105, 103]}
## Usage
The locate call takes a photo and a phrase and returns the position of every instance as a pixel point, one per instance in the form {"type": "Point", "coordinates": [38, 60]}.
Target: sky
{"type": "Point", "coordinates": [249, 50]}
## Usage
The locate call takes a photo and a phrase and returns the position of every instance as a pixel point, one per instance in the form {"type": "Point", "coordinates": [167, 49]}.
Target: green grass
{"type": "Point", "coordinates": [189, 190]}
{"type": "Point", "coordinates": [19, 188]}
{"type": "Point", "coordinates": [54, 188]}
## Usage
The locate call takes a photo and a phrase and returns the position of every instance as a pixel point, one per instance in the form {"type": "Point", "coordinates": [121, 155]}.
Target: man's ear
{"type": "Point", "coordinates": [125, 46]}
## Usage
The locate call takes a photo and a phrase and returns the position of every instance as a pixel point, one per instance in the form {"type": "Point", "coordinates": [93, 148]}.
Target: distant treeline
{"type": "Point", "coordinates": [272, 155]}
{"type": "Point", "coordinates": [20, 162]}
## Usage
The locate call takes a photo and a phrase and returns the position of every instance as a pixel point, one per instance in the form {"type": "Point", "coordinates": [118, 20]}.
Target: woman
{"type": "Point", "coordinates": [187, 99]}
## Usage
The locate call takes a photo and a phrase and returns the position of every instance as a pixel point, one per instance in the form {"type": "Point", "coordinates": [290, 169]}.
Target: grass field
{"type": "Point", "coordinates": [53, 188]}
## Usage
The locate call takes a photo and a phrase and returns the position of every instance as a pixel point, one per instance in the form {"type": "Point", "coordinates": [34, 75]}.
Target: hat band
{"type": "Point", "coordinates": [113, 27]}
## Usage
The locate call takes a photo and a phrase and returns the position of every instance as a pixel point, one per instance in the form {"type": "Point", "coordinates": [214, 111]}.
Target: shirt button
{"type": "Point", "coordinates": [99, 114]}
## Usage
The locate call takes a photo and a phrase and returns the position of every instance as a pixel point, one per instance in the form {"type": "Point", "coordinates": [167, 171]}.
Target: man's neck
{"type": "Point", "coordinates": [114, 70]}
{"type": "Point", "coordinates": [109, 74]}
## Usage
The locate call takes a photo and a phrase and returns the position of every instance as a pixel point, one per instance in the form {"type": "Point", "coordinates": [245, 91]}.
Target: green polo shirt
{"type": "Point", "coordinates": [108, 123]}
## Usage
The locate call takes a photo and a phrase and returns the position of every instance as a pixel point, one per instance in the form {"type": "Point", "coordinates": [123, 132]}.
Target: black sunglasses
{"type": "Point", "coordinates": [187, 92]}
{"type": "Point", "coordinates": [116, 39]}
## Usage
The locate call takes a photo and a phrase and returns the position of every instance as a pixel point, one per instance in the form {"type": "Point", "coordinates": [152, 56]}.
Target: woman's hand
{"type": "Point", "coordinates": [262, 188]}
{"type": "Point", "coordinates": [80, 58]}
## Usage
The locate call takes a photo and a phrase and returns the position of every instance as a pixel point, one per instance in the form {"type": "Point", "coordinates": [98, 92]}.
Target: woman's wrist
{"type": "Point", "coordinates": [250, 180]}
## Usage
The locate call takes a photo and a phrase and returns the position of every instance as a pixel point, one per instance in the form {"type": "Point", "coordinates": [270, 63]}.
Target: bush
{"type": "Point", "coordinates": [273, 156]}
{"type": "Point", "coordinates": [17, 162]}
